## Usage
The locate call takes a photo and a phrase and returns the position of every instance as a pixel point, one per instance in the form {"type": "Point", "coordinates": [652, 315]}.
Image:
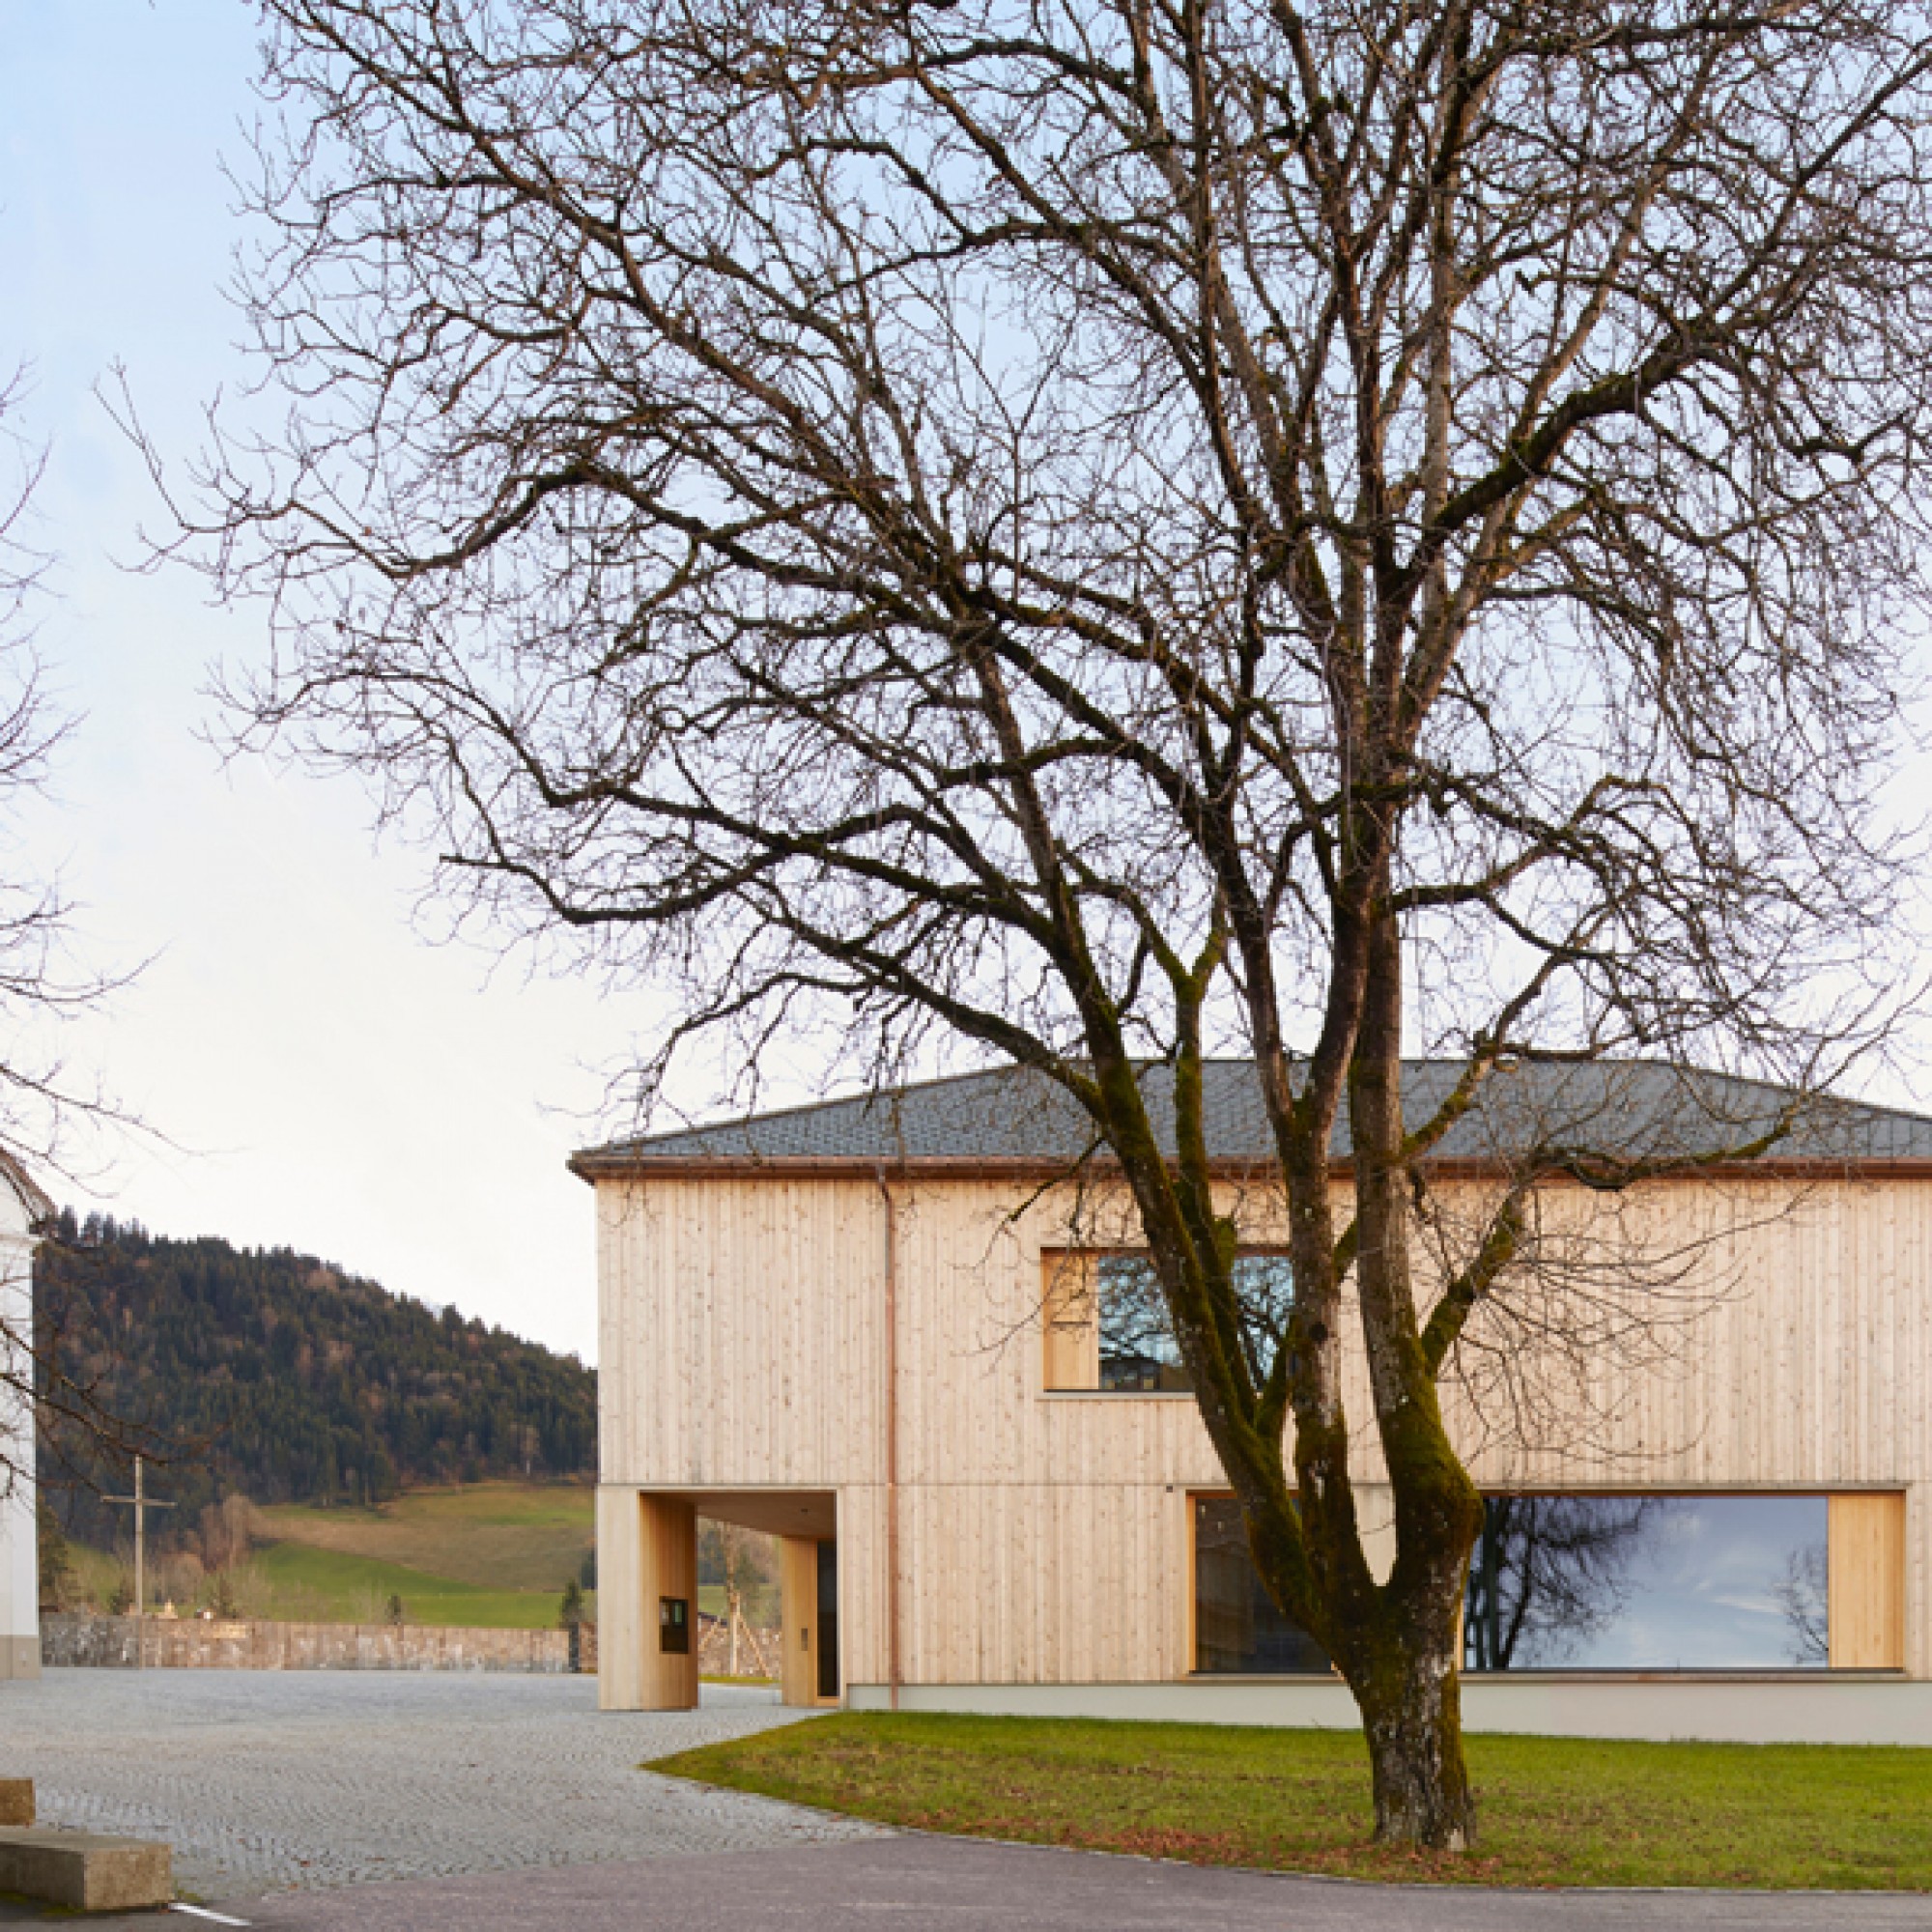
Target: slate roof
{"type": "Point", "coordinates": [1013, 1117]}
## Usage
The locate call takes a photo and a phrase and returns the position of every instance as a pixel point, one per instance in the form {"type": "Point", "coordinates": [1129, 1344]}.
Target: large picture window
{"type": "Point", "coordinates": [1697, 1583]}
{"type": "Point", "coordinates": [1107, 1326]}
{"type": "Point", "coordinates": [1626, 1583]}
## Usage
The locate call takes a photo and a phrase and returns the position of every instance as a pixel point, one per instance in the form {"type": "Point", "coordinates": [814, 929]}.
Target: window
{"type": "Point", "coordinates": [1700, 1582]}
{"type": "Point", "coordinates": [1138, 1351]}
{"type": "Point", "coordinates": [1107, 1326]}
{"type": "Point", "coordinates": [675, 1624]}
{"type": "Point", "coordinates": [828, 1620]}
{"type": "Point", "coordinates": [1631, 1582]}
{"type": "Point", "coordinates": [1237, 1627]}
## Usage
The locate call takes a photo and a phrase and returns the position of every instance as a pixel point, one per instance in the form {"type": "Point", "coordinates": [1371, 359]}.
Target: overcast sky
{"type": "Point", "coordinates": [332, 1080]}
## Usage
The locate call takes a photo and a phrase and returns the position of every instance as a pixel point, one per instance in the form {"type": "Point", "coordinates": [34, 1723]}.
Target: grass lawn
{"type": "Point", "coordinates": [1555, 1811]}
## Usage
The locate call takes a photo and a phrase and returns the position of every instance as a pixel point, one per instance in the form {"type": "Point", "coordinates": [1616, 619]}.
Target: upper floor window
{"type": "Point", "coordinates": [1107, 1327]}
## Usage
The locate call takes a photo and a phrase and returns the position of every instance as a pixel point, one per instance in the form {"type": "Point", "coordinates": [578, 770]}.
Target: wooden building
{"type": "Point", "coordinates": [907, 1337]}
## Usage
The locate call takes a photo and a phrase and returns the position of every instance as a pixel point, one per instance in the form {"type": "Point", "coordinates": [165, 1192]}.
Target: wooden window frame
{"type": "Point", "coordinates": [1070, 1347]}
{"type": "Point", "coordinates": [1070, 1351]}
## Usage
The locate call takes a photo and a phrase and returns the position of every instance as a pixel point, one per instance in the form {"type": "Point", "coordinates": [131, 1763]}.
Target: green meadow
{"type": "Point", "coordinates": [494, 1554]}
{"type": "Point", "coordinates": [490, 1554]}
{"type": "Point", "coordinates": [299, 1581]}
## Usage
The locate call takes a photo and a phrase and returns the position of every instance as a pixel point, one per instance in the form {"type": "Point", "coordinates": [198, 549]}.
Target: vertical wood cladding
{"type": "Point", "coordinates": [647, 1554]}
{"type": "Point", "coordinates": [1045, 1535]}
{"type": "Point", "coordinates": [1866, 1582]}
{"type": "Point", "coordinates": [798, 1596]}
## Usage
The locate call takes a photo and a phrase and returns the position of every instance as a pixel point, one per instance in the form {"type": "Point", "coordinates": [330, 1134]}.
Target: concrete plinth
{"type": "Point", "coordinates": [84, 1870]}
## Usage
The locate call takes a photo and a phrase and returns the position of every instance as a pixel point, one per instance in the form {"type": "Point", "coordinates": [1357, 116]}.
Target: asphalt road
{"type": "Point", "coordinates": [939, 1884]}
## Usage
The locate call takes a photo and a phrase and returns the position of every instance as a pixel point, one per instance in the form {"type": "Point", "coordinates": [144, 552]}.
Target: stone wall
{"type": "Point", "coordinates": [194, 1644]}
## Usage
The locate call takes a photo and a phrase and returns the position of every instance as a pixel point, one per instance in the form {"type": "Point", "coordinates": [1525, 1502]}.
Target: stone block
{"type": "Point", "coordinates": [85, 1870]}
{"type": "Point", "coordinates": [16, 1800]}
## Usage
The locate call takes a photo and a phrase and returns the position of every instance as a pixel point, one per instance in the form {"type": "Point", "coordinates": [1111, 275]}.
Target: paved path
{"type": "Point", "coordinates": [331, 1777]}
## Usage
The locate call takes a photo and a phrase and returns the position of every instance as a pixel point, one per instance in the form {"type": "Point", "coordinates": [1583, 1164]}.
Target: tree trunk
{"type": "Point", "coordinates": [1413, 1718]}
{"type": "Point", "coordinates": [1402, 1668]}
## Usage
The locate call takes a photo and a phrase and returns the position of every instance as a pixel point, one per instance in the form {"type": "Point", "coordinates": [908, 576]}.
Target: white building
{"type": "Point", "coordinates": [23, 1205]}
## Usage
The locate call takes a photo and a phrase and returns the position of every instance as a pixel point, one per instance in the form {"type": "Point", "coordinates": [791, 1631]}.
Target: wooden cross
{"type": "Point", "coordinates": [140, 1503]}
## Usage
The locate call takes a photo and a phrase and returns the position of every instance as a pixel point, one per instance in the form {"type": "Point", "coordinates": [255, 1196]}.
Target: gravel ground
{"type": "Point", "coordinates": [268, 1779]}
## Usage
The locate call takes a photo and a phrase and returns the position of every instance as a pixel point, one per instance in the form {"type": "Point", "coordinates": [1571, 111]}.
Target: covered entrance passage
{"type": "Point", "coordinates": [648, 1557]}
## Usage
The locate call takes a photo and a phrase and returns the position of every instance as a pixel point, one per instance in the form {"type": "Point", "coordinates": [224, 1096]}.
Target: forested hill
{"type": "Point", "coordinates": [301, 1383]}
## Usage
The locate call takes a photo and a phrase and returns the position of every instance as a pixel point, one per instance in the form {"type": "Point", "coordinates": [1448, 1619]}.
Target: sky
{"type": "Point", "coordinates": [316, 1070]}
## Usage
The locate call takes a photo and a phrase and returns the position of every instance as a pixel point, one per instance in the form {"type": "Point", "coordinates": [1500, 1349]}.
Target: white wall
{"type": "Point", "coordinates": [1840, 1710]}
{"type": "Point", "coordinates": [20, 1566]}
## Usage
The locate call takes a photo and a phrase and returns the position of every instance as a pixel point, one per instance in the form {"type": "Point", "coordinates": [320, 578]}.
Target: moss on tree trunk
{"type": "Point", "coordinates": [1410, 1700]}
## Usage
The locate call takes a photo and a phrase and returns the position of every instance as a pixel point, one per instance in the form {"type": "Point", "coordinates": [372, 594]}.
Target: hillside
{"type": "Point", "coordinates": [286, 1380]}
{"type": "Point", "coordinates": [494, 1536]}
{"type": "Point", "coordinates": [498, 1552]}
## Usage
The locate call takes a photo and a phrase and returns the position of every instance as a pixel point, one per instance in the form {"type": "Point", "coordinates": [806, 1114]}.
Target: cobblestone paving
{"type": "Point", "coordinates": [263, 1780]}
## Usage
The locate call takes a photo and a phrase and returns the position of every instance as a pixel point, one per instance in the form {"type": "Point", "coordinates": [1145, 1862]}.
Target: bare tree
{"type": "Point", "coordinates": [747, 1566]}
{"type": "Point", "coordinates": [40, 987]}
{"type": "Point", "coordinates": [1801, 1594]}
{"type": "Point", "coordinates": [41, 1104]}
{"type": "Point", "coordinates": [1100, 531]}
{"type": "Point", "coordinates": [1548, 1571]}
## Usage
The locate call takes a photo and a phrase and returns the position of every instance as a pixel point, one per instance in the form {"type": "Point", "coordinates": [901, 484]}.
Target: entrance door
{"type": "Point", "coordinates": [828, 1623]}
{"type": "Point", "coordinates": [809, 1573]}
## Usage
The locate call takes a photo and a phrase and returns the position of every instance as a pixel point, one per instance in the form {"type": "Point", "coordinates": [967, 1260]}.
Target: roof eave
{"type": "Point", "coordinates": [602, 1164]}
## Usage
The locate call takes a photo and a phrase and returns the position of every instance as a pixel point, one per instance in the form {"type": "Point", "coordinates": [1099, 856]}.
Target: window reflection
{"type": "Point", "coordinates": [1648, 1583]}
{"type": "Point", "coordinates": [1570, 1583]}
{"type": "Point", "coordinates": [1138, 1351]}
{"type": "Point", "coordinates": [1237, 1627]}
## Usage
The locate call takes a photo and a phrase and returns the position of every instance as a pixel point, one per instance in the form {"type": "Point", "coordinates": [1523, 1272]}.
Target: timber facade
{"type": "Point", "coordinates": [880, 1329]}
